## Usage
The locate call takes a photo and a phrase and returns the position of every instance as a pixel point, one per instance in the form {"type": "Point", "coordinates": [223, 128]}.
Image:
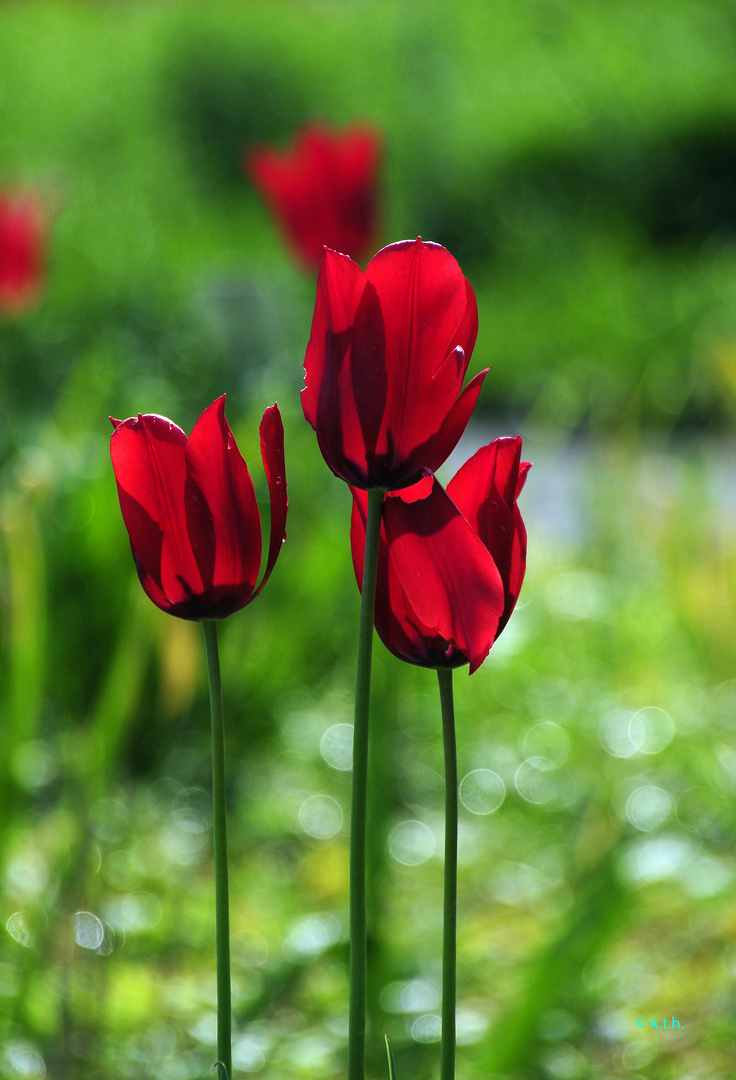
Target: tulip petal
{"type": "Point", "coordinates": [429, 310]}
{"type": "Point", "coordinates": [524, 468]}
{"type": "Point", "coordinates": [222, 513]}
{"type": "Point", "coordinates": [484, 490]}
{"type": "Point", "coordinates": [148, 456]}
{"type": "Point", "coordinates": [272, 452]}
{"type": "Point", "coordinates": [345, 369]}
{"type": "Point", "coordinates": [457, 419]}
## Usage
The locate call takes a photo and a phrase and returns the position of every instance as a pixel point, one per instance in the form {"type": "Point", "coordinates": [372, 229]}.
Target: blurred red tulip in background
{"type": "Point", "coordinates": [23, 228]}
{"type": "Point", "coordinates": [322, 190]}
{"type": "Point", "coordinates": [191, 513]}
{"type": "Point", "coordinates": [450, 564]}
{"type": "Point", "coordinates": [386, 360]}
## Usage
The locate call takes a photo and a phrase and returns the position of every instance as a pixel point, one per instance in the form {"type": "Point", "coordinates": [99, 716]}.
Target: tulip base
{"type": "Point", "coordinates": [219, 830]}
{"type": "Point", "coordinates": [449, 921]}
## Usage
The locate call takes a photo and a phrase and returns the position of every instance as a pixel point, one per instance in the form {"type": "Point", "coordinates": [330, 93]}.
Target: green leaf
{"type": "Point", "coordinates": [391, 1063]}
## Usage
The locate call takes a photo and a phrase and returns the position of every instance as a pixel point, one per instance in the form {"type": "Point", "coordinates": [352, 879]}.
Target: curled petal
{"type": "Point", "coordinates": [272, 452]}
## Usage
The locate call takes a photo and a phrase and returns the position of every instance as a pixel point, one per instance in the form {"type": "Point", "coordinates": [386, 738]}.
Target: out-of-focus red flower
{"type": "Point", "coordinates": [450, 563]}
{"type": "Point", "coordinates": [191, 513]}
{"type": "Point", "coordinates": [23, 227]}
{"type": "Point", "coordinates": [386, 360]}
{"type": "Point", "coordinates": [322, 190]}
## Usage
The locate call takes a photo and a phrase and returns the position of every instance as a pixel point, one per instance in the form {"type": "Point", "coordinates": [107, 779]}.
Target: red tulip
{"type": "Point", "coordinates": [22, 244]}
{"type": "Point", "coordinates": [386, 361]}
{"type": "Point", "coordinates": [322, 190]}
{"type": "Point", "coordinates": [191, 513]}
{"type": "Point", "coordinates": [450, 564]}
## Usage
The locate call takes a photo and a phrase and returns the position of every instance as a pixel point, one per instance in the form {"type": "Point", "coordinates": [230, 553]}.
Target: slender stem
{"type": "Point", "coordinates": [219, 829]}
{"type": "Point", "coordinates": [358, 814]}
{"type": "Point", "coordinates": [449, 933]}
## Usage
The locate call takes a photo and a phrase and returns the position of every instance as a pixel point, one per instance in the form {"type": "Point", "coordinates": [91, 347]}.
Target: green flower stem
{"type": "Point", "coordinates": [449, 933]}
{"type": "Point", "coordinates": [358, 813]}
{"type": "Point", "coordinates": [219, 828]}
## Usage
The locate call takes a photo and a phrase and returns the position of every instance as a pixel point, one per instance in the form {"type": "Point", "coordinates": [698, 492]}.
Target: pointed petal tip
{"type": "Point", "coordinates": [477, 662]}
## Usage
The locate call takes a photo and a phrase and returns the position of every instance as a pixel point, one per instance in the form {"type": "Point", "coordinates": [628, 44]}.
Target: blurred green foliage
{"type": "Point", "coordinates": [578, 159]}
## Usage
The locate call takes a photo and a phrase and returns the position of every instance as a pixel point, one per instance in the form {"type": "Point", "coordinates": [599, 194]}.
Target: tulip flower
{"type": "Point", "coordinates": [322, 189]}
{"type": "Point", "coordinates": [450, 564]}
{"type": "Point", "coordinates": [385, 363]}
{"type": "Point", "coordinates": [384, 369]}
{"type": "Point", "coordinates": [22, 245]}
{"type": "Point", "coordinates": [191, 511]}
{"type": "Point", "coordinates": [450, 568]}
{"type": "Point", "coordinates": [192, 517]}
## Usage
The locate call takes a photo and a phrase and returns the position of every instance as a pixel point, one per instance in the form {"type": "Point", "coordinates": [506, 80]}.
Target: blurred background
{"type": "Point", "coordinates": [579, 159]}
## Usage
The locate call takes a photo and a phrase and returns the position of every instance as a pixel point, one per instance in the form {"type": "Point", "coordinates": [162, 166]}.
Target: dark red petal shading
{"type": "Point", "coordinates": [394, 621]}
{"type": "Point", "coordinates": [149, 540]}
{"type": "Point", "coordinates": [437, 585]}
{"type": "Point", "coordinates": [345, 372]}
{"type": "Point", "coordinates": [222, 515]}
{"type": "Point", "coordinates": [272, 452]}
{"type": "Point", "coordinates": [457, 420]}
{"type": "Point", "coordinates": [429, 310]}
{"type": "Point", "coordinates": [148, 456]}
{"type": "Point", "coordinates": [484, 490]}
